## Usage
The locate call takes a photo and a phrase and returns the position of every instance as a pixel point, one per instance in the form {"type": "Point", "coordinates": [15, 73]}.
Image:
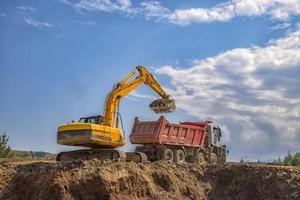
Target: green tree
{"type": "Point", "coordinates": [288, 159]}
{"type": "Point", "coordinates": [4, 147]}
{"type": "Point", "coordinates": [242, 160]}
{"type": "Point", "coordinates": [295, 161]}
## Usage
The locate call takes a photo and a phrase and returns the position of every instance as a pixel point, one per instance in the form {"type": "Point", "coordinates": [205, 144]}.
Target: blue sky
{"type": "Point", "coordinates": [235, 62]}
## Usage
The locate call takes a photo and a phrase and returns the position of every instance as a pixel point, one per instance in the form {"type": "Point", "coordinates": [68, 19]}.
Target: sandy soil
{"type": "Point", "coordinates": [96, 179]}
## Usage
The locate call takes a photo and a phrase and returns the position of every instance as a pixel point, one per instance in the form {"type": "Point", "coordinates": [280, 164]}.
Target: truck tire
{"type": "Point", "coordinates": [213, 159]}
{"type": "Point", "coordinates": [179, 156]}
{"type": "Point", "coordinates": [200, 159]}
{"type": "Point", "coordinates": [168, 155]}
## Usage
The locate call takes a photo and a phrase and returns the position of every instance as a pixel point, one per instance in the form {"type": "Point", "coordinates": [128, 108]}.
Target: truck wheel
{"type": "Point", "coordinates": [200, 158]}
{"type": "Point", "coordinates": [168, 155]}
{"type": "Point", "coordinates": [213, 159]}
{"type": "Point", "coordinates": [179, 156]}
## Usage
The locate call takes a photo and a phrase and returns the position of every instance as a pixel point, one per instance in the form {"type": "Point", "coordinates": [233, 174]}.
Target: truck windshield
{"type": "Point", "coordinates": [217, 134]}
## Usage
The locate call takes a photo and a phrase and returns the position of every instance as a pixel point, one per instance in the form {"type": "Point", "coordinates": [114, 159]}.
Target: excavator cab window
{"type": "Point", "coordinates": [83, 120]}
{"type": "Point", "coordinates": [92, 119]}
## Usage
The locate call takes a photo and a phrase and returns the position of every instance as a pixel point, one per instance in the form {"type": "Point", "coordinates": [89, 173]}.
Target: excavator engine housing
{"type": "Point", "coordinates": [90, 135]}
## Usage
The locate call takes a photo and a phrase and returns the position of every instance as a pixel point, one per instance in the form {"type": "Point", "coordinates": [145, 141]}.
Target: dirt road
{"type": "Point", "coordinates": [96, 179]}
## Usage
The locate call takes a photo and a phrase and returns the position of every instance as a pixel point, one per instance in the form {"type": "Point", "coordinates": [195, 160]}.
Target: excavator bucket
{"type": "Point", "coordinates": [163, 105]}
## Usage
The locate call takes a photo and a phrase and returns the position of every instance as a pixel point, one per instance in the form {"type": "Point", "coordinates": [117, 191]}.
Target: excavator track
{"type": "Point", "coordinates": [101, 154]}
{"type": "Point", "coordinates": [87, 154]}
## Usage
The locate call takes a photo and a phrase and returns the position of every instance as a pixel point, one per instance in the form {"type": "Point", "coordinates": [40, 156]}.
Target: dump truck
{"type": "Point", "coordinates": [187, 141]}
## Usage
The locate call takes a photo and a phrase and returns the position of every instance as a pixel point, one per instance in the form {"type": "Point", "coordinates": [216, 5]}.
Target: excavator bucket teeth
{"type": "Point", "coordinates": [163, 105]}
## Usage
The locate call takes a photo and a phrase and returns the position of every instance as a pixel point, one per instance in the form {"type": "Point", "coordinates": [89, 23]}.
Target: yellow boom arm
{"type": "Point", "coordinates": [122, 88]}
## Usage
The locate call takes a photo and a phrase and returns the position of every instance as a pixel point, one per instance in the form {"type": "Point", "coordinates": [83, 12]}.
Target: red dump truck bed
{"type": "Point", "coordinates": [164, 132]}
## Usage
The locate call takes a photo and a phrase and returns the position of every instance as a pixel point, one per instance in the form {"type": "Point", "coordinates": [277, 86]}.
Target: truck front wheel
{"type": "Point", "coordinates": [179, 156]}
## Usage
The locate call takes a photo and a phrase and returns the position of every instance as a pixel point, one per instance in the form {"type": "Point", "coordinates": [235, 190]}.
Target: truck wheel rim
{"type": "Point", "coordinates": [214, 159]}
{"type": "Point", "coordinates": [168, 155]}
{"type": "Point", "coordinates": [180, 157]}
{"type": "Point", "coordinates": [201, 159]}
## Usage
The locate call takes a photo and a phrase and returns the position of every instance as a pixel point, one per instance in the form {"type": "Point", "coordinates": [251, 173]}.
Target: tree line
{"type": "Point", "coordinates": [7, 152]}
{"type": "Point", "coordinates": [288, 160]}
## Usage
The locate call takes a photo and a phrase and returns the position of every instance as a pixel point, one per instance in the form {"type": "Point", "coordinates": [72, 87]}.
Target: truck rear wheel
{"type": "Point", "coordinates": [213, 159]}
{"type": "Point", "coordinates": [200, 159]}
{"type": "Point", "coordinates": [179, 156]}
{"type": "Point", "coordinates": [168, 155]}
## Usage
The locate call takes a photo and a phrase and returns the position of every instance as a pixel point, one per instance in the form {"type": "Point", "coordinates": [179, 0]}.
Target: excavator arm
{"type": "Point", "coordinates": [125, 86]}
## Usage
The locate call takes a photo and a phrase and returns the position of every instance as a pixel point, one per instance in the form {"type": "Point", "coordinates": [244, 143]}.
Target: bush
{"type": "Point", "coordinates": [296, 159]}
{"type": "Point", "coordinates": [4, 147]}
{"type": "Point", "coordinates": [293, 160]}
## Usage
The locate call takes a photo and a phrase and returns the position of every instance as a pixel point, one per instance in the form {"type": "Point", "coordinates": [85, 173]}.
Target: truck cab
{"type": "Point", "coordinates": [214, 142]}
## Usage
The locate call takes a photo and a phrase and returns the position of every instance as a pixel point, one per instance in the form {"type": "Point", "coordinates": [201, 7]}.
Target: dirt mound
{"type": "Point", "coordinates": [96, 179]}
{"type": "Point", "coordinates": [255, 182]}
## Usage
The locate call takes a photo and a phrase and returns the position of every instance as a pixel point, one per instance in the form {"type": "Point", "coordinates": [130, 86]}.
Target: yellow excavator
{"type": "Point", "coordinates": [102, 133]}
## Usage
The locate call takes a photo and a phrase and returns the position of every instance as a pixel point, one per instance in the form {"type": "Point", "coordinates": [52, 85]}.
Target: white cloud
{"type": "Point", "coordinates": [102, 5]}
{"type": "Point", "coordinates": [279, 26]}
{"type": "Point", "coordinates": [36, 23]}
{"type": "Point", "coordinates": [26, 8]}
{"type": "Point", "coordinates": [154, 9]}
{"type": "Point", "coordinates": [253, 92]}
{"type": "Point", "coordinates": [278, 9]}
{"type": "Point", "coordinates": [221, 12]}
